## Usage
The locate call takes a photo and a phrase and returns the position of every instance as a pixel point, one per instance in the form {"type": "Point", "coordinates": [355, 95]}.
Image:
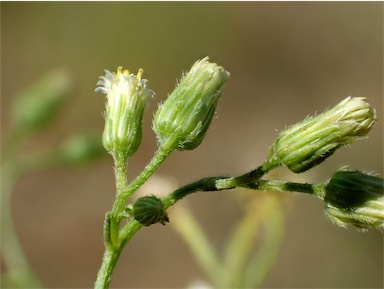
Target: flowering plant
{"type": "Point", "coordinates": [181, 123]}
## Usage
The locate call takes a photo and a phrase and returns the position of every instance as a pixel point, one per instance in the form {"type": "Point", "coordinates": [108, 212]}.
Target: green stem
{"type": "Point", "coordinates": [216, 184]}
{"type": "Point", "coordinates": [121, 183]}
{"type": "Point", "coordinates": [250, 180]}
{"type": "Point", "coordinates": [122, 198]}
{"type": "Point", "coordinates": [122, 236]}
{"type": "Point", "coordinates": [112, 232]}
{"type": "Point", "coordinates": [243, 238]}
{"type": "Point", "coordinates": [283, 186]}
{"type": "Point", "coordinates": [243, 180]}
{"type": "Point", "coordinates": [267, 253]}
{"type": "Point", "coordinates": [204, 252]}
{"type": "Point", "coordinates": [112, 254]}
{"type": "Point", "coordinates": [18, 272]}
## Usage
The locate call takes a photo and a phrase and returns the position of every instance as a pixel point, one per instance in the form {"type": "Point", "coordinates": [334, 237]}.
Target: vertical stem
{"type": "Point", "coordinates": [204, 252]}
{"type": "Point", "coordinates": [120, 174]}
{"type": "Point", "coordinates": [122, 198]}
{"type": "Point", "coordinates": [112, 254]}
{"type": "Point", "coordinates": [121, 184]}
{"type": "Point", "coordinates": [119, 237]}
{"type": "Point", "coordinates": [109, 261]}
{"type": "Point", "coordinates": [18, 271]}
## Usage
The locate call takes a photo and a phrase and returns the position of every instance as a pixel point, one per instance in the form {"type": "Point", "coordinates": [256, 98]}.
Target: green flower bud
{"type": "Point", "coordinates": [34, 108]}
{"type": "Point", "coordinates": [81, 148]}
{"type": "Point", "coordinates": [149, 210]}
{"type": "Point", "coordinates": [126, 99]}
{"type": "Point", "coordinates": [355, 198]}
{"type": "Point", "coordinates": [184, 118]}
{"type": "Point", "coordinates": [309, 142]}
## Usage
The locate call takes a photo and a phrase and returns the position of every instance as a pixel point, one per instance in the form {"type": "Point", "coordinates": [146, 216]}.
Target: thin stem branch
{"type": "Point", "coordinates": [18, 272]}
{"type": "Point", "coordinates": [204, 252]}
{"type": "Point", "coordinates": [112, 232]}
{"type": "Point", "coordinates": [121, 200]}
{"type": "Point", "coordinates": [267, 253]}
{"type": "Point", "coordinates": [283, 186]}
{"type": "Point", "coordinates": [249, 180]}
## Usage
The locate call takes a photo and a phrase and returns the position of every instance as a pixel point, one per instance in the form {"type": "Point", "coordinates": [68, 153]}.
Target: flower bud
{"type": "Point", "coordinates": [126, 99]}
{"type": "Point", "coordinates": [309, 142]}
{"type": "Point", "coordinates": [355, 198]}
{"type": "Point", "coordinates": [183, 119]}
{"type": "Point", "coordinates": [149, 210]}
{"type": "Point", "coordinates": [81, 148]}
{"type": "Point", "coordinates": [34, 108]}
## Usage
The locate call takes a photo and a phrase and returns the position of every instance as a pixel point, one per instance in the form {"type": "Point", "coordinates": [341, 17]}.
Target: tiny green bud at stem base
{"type": "Point", "coordinates": [149, 210]}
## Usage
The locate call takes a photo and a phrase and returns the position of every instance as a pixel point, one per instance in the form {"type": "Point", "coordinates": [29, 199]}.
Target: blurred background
{"type": "Point", "coordinates": [287, 60]}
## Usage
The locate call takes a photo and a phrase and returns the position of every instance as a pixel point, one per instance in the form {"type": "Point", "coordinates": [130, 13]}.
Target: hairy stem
{"type": "Point", "coordinates": [122, 236]}
{"type": "Point", "coordinates": [122, 198]}
{"type": "Point", "coordinates": [112, 254]}
{"type": "Point", "coordinates": [116, 238]}
{"type": "Point", "coordinates": [250, 180]}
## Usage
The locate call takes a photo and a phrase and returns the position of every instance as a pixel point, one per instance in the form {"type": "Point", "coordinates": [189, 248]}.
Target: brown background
{"type": "Point", "coordinates": [287, 60]}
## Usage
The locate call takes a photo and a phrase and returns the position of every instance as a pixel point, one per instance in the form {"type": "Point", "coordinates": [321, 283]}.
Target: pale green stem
{"type": "Point", "coordinates": [18, 271]}
{"type": "Point", "coordinates": [203, 251]}
{"type": "Point", "coordinates": [242, 240]}
{"type": "Point", "coordinates": [268, 251]}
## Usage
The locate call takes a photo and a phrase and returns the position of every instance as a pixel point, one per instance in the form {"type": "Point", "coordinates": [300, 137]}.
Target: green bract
{"type": "Point", "coordinates": [183, 119]}
{"type": "Point", "coordinates": [309, 142]}
{"type": "Point", "coordinates": [126, 99]}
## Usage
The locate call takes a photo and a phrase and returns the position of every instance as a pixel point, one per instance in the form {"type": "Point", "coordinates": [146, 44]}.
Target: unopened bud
{"type": "Point", "coordinates": [184, 118]}
{"type": "Point", "coordinates": [355, 198]}
{"type": "Point", "coordinates": [126, 99]}
{"type": "Point", "coordinates": [149, 210]}
{"type": "Point", "coordinates": [309, 142]}
{"type": "Point", "coordinates": [81, 148]}
{"type": "Point", "coordinates": [35, 107]}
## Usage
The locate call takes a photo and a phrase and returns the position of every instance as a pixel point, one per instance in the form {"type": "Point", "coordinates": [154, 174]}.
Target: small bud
{"type": "Point", "coordinates": [149, 210]}
{"type": "Point", "coordinates": [309, 142]}
{"type": "Point", "coordinates": [184, 118]}
{"type": "Point", "coordinates": [35, 107]}
{"type": "Point", "coordinates": [81, 148]}
{"type": "Point", "coordinates": [355, 198]}
{"type": "Point", "coordinates": [126, 99]}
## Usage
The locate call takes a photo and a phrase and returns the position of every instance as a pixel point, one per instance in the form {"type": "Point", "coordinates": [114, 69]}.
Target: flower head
{"type": "Point", "coordinates": [309, 142]}
{"type": "Point", "coordinates": [355, 198]}
{"type": "Point", "coordinates": [126, 98]}
{"type": "Point", "coordinates": [184, 118]}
